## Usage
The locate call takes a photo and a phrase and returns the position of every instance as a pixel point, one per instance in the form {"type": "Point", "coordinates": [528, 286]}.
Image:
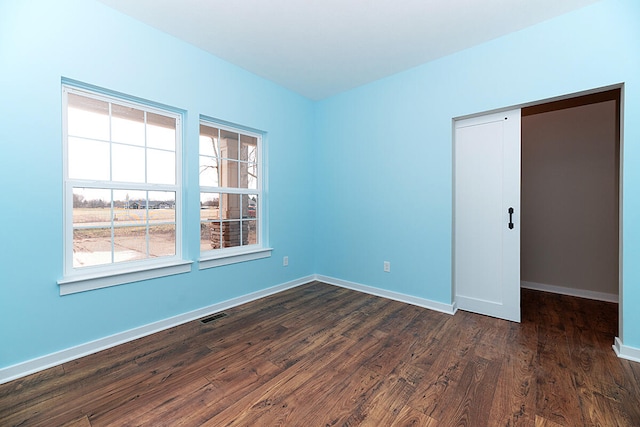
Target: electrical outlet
{"type": "Point", "coordinates": [387, 267]}
{"type": "Point", "coordinates": [285, 261]}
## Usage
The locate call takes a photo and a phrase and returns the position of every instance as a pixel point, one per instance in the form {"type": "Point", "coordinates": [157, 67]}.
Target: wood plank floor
{"type": "Point", "coordinates": [319, 355]}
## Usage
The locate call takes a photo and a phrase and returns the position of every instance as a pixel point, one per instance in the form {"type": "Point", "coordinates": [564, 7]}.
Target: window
{"type": "Point", "coordinates": [122, 191]}
{"type": "Point", "coordinates": [231, 197]}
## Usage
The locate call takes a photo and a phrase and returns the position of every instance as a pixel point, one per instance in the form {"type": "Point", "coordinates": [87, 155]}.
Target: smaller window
{"type": "Point", "coordinates": [231, 196]}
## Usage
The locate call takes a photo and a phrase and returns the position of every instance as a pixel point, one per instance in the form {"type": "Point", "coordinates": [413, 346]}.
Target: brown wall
{"type": "Point", "coordinates": [570, 198]}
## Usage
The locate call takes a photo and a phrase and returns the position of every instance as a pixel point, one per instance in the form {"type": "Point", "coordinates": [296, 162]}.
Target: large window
{"type": "Point", "coordinates": [231, 196]}
{"type": "Point", "coordinates": [122, 186]}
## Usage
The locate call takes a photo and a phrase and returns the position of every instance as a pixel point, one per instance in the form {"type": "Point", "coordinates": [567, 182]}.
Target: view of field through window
{"type": "Point", "coordinates": [122, 171]}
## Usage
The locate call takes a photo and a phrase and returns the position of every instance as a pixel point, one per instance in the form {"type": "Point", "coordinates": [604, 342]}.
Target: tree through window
{"type": "Point", "coordinates": [230, 189]}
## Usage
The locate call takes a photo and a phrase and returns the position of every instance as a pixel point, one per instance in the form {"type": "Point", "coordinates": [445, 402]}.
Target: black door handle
{"type": "Point", "coordinates": [510, 218]}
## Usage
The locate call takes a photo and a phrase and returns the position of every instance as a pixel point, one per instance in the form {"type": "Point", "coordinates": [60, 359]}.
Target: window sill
{"type": "Point", "coordinates": [87, 282]}
{"type": "Point", "coordinates": [233, 258]}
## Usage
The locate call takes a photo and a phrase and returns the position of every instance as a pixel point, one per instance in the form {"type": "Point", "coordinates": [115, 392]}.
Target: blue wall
{"type": "Point", "coordinates": [43, 41]}
{"type": "Point", "coordinates": [356, 179]}
{"type": "Point", "coordinates": [383, 152]}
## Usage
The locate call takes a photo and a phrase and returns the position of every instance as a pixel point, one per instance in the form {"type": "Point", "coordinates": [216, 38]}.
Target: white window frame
{"type": "Point", "coordinates": [95, 277]}
{"type": "Point", "coordinates": [225, 256]}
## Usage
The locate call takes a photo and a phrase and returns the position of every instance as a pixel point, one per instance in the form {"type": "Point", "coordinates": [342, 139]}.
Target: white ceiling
{"type": "Point", "coordinates": [322, 47]}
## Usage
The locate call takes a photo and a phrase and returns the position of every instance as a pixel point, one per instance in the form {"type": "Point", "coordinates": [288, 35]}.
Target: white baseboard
{"type": "Point", "coordinates": [396, 296]}
{"type": "Point", "coordinates": [40, 363]}
{"type": "Point", "coordinates": [625, 352]}
{"type": "Point", "coordinates": [581, 293]}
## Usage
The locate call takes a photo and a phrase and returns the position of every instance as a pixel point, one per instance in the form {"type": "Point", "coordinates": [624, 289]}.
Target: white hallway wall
{"type": "Point", "coordinates": [569, 198]}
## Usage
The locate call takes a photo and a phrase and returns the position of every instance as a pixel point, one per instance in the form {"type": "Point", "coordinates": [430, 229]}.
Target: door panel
{"type": "Point", "coordinates": [487, 184]}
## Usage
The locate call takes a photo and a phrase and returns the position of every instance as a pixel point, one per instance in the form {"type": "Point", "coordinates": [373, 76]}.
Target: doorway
{"type": "Point", "coordinates": [581, 222]}
{"type": "Point", "coordinates": [571, 196]}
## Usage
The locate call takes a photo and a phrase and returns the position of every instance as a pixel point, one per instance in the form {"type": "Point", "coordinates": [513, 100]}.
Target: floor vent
{"type": "Point", "coordinates": [214, 317]}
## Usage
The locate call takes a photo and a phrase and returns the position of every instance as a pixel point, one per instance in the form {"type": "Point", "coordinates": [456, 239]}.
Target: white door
{"type": "Point", "coordinates": [486, 215]}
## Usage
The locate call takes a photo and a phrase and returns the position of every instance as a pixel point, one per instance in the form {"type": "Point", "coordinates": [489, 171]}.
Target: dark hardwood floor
{"type": "Point", "coordinates": [319, 355]}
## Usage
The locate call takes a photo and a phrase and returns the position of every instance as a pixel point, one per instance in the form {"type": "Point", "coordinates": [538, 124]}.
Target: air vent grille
{"type": "Point", "coordinates": [213, 318]}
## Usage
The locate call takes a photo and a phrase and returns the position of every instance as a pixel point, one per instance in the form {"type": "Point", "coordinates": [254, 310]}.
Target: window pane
{"type": "Point", "coordinates": [162, 206]}
{"type": "Point", "coordinates": [210, 236]}
{"type": "Point", "coordinates": [91, 247]}
{"type": "Point", "coordinates": [230, 206]}
{"type": "Point", "coordinates": [229, 145]}
{"type": "Point", "coordinates": [91, 207]}
{"type": "Point", "coordinates": [161, 167]}
{"type": "Point", "coordinates": [253, 176]}
{"type": "Point", "coordinates": [209, 206]}
{"type": "Point", "coordinates": [229, 174]}
{"type": "Point", "coordinates": [232, 234]}
{"type": "Point", "coordinates": [162, 240]}
{"type": "Point", "coordinates": [87, 117]}
{"type": "Point", "coordinates": [253, 232]}
{"type": "Point", "coordinates": [130, 243]}
{"type": "Point", "coordinates": [209, 171]}
{"type": "Point", "coordinates": [161, 132]}
{"type": "Point", "coordinates": [127, 125]}
{"type": "Point", "coordinates": [205, 236]}
{"type": "Point", "coordinates": [249, 176]}
{"type": "Point", "coordinates": [128, 163]}
{"type": "Point", "coordinates": [209, 146]}
{"type": "Point", "coordinates": [249, 206]}
{"type": "Point", "coordinates": [129, 207]}
{"type": "Point", "coordinates": [248, 148]}
{"type": "Point", "coordinates": [88, 159]}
